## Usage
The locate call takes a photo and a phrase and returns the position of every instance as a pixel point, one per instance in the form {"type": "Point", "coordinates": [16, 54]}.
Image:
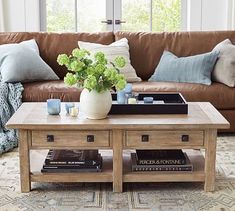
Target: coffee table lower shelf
{"type": "Point", "coordinates": [106, 175]}
{"type": "Point", "coordinates": [197, 175]}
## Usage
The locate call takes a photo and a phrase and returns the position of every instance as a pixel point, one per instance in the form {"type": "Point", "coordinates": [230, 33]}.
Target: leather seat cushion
{"type": "Point", "coordinates": [215, 93]}
{"type": "Point", "coordinates": [221, 96]}
{"type": "Point", "coordinates": [41, 91]}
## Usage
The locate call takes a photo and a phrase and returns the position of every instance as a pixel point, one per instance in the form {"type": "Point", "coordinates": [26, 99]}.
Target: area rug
{"type": "Point", "coordinates": [137, 196]}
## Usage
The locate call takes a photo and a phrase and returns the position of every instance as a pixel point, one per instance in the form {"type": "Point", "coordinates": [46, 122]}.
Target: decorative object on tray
{"type": "Point", "coordinates": [72, 161]}
{"type": "Point", "coordinates": [148, 100]}
{"type": "Point", "coordinates": [97, 76]}
{"type": "Point", "coordinates": [149, 103]}
{"type": "Point", "coordinates": [160, 160]}
{"type": "Point", "coordinates": [53, 106]}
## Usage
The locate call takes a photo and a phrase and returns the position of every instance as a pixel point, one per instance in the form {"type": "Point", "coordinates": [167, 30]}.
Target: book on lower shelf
{"type": "Point", "coordinates": [178, 167]}
{"type": "Point", "coordinates": [72, 161]}
{"type": "Point", "coordinates": [160, 157]}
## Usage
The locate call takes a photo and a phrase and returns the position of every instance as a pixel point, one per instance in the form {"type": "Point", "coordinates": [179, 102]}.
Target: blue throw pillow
{"type": "Point", "coordinates": [192, 69]}
{"type": "Point", "coordinates": [22, 63]}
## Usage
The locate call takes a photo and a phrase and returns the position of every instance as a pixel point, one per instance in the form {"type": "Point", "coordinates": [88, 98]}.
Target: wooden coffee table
{"type": "Point", "coordinates": [197, 130]}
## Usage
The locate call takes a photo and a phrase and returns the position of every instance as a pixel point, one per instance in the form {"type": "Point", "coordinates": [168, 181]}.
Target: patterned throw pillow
{"type": "Point", "coordinates": [118, 48]}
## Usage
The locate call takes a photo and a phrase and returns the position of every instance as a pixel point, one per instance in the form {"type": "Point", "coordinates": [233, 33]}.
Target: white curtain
{"type": "Point", "coordinates": [2, 27]}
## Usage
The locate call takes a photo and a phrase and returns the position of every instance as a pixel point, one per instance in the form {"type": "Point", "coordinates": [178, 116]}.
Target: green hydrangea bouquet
{"type": "Point", "coordinates": [93, 73]}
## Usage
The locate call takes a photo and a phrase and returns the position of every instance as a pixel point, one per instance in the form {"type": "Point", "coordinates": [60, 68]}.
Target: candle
{"type": "Point", "coordinates": [128, 88]}
{"type": "Point", "coordinates": [121, 97]}
{"type": "Point", "coordinates": [73, 111]}
{"type": "Point", "coordinates": [53, 106]}
{"type": "Point", "coordinates": [132, 101]}
{"type": "Point", "coordinates": [148, 99]}
{"type": "Point", "coordinates": [68, 106]}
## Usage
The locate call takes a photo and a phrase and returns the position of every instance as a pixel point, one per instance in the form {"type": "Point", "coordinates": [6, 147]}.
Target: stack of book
{"type": "Point", "coordinates": [160, 160]}
{"type": "Point", "coordinates": [72, 161]}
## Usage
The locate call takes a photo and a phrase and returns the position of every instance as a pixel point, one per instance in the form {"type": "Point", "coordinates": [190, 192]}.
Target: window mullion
{"type": "Point", "coordinates": [151, 15]}
{"type": "Point", "coordinates": [76, 14]}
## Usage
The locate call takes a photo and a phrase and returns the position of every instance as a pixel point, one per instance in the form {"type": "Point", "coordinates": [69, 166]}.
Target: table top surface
{"type": "Point", "coordinates": [34, 116]}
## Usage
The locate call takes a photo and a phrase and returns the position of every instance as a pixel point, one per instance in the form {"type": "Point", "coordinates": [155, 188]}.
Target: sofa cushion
{"type": "Point", "coordinates": [190, 69]}
{"type": "Point", "coordinates": [224, 71]}
{"type": "Point", "coordinates": [115, 49]}
{"type": "Point", "coordinates": [215, 93]}
{"type": "Point", "coordinates": [22, 63]}
{"type": "Point", "coordinates": [52, 44]}
{"type": "Point", "coordinates": [41, 91]}
{"type": "Point", "coordinates": [146, 48]}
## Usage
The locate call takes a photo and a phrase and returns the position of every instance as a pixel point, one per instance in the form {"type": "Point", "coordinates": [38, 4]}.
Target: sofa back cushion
{"type": "Point", "coordinates": [146, 48]}
{"type": "Point", "coordinates": [52, 44]}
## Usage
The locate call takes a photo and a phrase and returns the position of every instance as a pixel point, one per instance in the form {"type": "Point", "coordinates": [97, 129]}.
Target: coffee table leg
{"type": "Point", "coordinates": [210, 159]}
{"type": "Point", "coordinates": [24, 161]}
{"type": "Point", "coordinates": [117, 160]}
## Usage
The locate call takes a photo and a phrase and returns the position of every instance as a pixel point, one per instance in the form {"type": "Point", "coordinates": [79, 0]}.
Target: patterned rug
{"type": "Point", "coordinates": [93, 196]}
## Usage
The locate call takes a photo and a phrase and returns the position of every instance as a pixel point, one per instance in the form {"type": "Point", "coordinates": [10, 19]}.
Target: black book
{"type": "Point", "coordinates": [72, 168]}
{"type": "Point", "coordinates": [75, 165]}
{"type": "Point", "coordinates": [160, 157]}
{"type": "Point", "coordinates": [72, 157]}
{"type": "Point", "coordinates": [136, 167]}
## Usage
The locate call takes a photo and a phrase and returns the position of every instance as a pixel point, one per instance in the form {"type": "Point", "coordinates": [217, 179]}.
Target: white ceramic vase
{"type": "Point", "coordinates": [95, 105]}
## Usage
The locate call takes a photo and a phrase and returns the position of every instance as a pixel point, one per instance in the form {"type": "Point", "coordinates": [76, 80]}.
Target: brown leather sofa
{"type": "Point", "coordinates": [145, 50]}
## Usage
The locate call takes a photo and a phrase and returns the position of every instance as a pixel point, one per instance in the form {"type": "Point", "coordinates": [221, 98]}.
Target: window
{"type": "Point", "coordinates": [112, 15]}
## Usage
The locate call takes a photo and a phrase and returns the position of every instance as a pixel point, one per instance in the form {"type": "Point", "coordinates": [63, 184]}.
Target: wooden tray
{"type": "Point", "coordinates": [174, 103]}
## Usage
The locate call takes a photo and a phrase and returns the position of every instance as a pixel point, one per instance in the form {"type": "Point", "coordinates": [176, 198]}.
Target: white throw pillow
{"type": "Point", "coordinates": [224, 71]}
{"type": "Point", "coordinates": [118, 48]}
{"type": "Point", "coordinates": [22, 63]}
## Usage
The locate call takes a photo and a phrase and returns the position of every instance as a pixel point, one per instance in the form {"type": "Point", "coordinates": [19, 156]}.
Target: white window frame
{"type": "Point", "coordinates": [114, 12]}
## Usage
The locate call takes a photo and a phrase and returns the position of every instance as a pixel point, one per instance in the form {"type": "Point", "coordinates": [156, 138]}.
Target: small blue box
{"type": "Point", "coordinates": [148, 100]}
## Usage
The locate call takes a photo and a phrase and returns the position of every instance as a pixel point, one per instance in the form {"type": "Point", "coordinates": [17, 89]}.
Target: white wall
{"type": "Point", "coordinates": [23, 15]}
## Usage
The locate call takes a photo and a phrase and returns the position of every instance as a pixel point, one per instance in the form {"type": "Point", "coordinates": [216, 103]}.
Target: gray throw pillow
{"type": "Point", "coordinates": [224, 71]}
{"type": "Point", "coordinates": [191, 69]}
{"type": "Point", "coordinates": [22, 63]}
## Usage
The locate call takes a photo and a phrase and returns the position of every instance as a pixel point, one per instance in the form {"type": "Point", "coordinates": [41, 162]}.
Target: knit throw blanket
{"type": "Point", "coordinates": [10, 100]}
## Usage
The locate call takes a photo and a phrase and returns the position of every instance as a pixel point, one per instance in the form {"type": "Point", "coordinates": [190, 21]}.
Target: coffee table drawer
{"type": "Point", "coordinates": [71, 138]}
{"type": "Point", "coordinates": [148, 139]}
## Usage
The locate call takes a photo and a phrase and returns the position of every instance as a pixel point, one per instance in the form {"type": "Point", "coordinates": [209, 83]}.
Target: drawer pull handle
{"type": "Point", "coordinates": [50, 138]}
{"type": "Point", "coordinates": [90, 138]}
{"type": "Point", "coordinates": [145, 138]}
{"type": "Point", "coordinates": [185, 138]}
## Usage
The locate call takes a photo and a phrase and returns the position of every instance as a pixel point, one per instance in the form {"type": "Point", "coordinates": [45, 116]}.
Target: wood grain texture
{"type": "Point", "coordinates": [70, 138]}
{"type": "Point", "coordinates": [117, 136]}
{"type": "Point", "coordinates": [34, 116]}
{"type": "Point", "coordinates": [210, 159]}
{"type": "Point", "coordinates": [163, 138]}
{"type": "Point", "coordinates": [118, 132]}
{"type": "Point", "coordinates": [24, 161]}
